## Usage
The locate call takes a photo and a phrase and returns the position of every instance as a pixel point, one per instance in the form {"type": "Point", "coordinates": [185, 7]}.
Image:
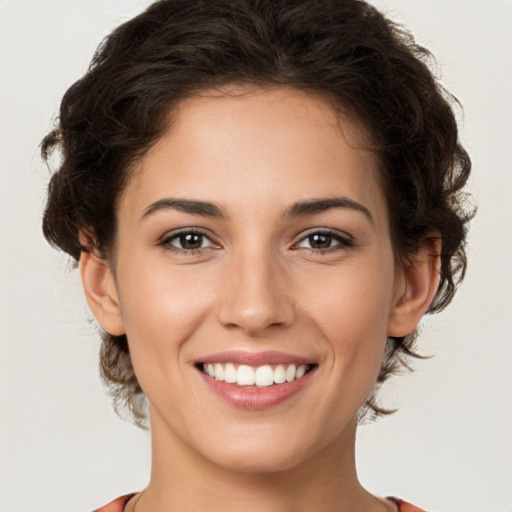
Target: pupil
{"type": "Point", "coordinates": [191, 241]}
{"type": "Point", "coordinates": [320, 241]}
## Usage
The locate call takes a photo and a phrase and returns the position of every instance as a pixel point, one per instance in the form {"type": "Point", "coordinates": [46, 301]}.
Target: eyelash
{"type": "Point", "coordinates": [166, 241]}
{"type": "Point", "coordinates": [343, 242]}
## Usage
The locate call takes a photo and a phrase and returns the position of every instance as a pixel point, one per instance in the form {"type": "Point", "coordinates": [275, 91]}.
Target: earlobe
{"type": "Point", "coordinates": [418, 283]}
{"type": "Point", "coordinates": [100, 290]}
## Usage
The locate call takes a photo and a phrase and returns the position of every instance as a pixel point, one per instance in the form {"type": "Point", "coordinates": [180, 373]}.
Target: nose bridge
{"type": "Point", "coordinates": [254, 296]}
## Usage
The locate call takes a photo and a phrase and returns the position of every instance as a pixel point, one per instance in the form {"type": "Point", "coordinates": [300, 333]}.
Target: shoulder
{"type": "Point", "coordinates": [403, 506]}
{"type": "Point", "coordinates": [117, 505]}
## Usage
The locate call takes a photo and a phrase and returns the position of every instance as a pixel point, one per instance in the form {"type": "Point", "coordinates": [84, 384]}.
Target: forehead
{"type": "Point", "coordinates": [256, 145]}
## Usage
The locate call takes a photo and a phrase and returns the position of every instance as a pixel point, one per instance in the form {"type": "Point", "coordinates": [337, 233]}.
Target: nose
{"type": "Point", "coordinates": [256, 295]}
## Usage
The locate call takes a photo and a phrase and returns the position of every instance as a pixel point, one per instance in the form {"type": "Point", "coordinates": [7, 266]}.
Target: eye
{"type": "Point", "coordinates": [187, 241]}
{"type": "Point", "coordinates": [324, 241]}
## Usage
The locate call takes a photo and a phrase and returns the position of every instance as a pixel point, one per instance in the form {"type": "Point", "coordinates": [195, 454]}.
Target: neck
{"type": "Point", "coordinates": [182, 479]}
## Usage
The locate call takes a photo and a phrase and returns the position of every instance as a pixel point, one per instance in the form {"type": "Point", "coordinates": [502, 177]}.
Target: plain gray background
{"type": "Point", "coordinates": [62, 449]}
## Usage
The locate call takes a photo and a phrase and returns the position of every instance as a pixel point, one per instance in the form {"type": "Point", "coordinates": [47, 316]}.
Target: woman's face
{"type": "Point", "coordinates": [254, 238]}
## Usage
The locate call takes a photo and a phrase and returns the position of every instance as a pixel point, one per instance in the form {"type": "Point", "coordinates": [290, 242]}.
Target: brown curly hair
{"type": "Point", "coordinates": [343, 49]}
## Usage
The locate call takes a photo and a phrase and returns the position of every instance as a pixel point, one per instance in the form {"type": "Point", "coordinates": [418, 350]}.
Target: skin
{"type": "Point", "coordinates": [258, 282]}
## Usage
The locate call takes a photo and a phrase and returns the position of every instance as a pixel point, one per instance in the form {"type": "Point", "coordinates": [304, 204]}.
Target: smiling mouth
{"type": "Point", "coordinates": [260, 376]}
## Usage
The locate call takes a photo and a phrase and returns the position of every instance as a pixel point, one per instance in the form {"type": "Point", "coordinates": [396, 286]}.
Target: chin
{"type": "Point", "coordinates": [254, 459]}
{"type": "Point", "coordinates": [271, 448]}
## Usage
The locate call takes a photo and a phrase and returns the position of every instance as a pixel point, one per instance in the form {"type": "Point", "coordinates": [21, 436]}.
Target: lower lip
{"type": "Point", "coordinates": [254, 398]}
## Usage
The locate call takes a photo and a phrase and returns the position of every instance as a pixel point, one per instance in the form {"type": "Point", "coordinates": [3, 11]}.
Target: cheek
{"type": "Point", "coordinates": [353, 316]}
{"type": "Point", "coordinates": [161, 309]}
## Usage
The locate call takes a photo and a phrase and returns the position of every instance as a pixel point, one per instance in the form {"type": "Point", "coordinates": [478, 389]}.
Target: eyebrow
{"type": "Point", "coordinates": [203, 208]}
{"type": "Point", "coordinates": [320, 205]}
{"type": "Point", "coordinates": [299, 209]}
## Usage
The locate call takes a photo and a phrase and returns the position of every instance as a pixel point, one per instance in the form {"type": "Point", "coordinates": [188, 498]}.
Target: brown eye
{"type": "Point", "coordinates": [186, 241]}
{"type": "Point", "coordinates": [190, 241]}
{"type": "Point", "coordinates": [322, 241]}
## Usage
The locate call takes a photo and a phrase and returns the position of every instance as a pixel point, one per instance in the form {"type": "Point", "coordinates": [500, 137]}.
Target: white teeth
{"type": "Point", "coordinates": [279, 374]}
{"type": "Point", "coordinates": [230, 373]}
{"type": "Point", "coordinates": [301, 370]}
{"type": "Point", "coordinates": [245, 375]}
{"type": "Point", "coordinates": [290, 373]}
{"type": "Point", "coordinates": [261, 376]}
{"type": "Point", "coordinates": [219, 371]}
{"type": "Point", "coordinates": [264, 376]}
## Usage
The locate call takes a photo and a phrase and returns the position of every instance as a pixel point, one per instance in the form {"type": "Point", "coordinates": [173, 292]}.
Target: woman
{"type": "Point", "coordinates": [265, 199]}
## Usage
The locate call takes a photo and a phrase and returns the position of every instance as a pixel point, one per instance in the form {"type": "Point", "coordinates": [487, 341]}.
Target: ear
{"type": "Point", "coordinates": [100, 289]}
{"type": "Point", "coordinates": [415, 287]}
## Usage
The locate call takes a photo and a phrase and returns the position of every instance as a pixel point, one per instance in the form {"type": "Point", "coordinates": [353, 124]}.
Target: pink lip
{"type": "Point", "coordinates": [256, 398]}
{"type": "Point", "coordinates": [256, 358]}
{"type": "Point", "coordinates": [252, 397]}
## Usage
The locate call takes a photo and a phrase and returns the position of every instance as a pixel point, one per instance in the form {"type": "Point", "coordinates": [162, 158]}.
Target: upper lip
{"type": "Point", "coordinates": [255, 358]}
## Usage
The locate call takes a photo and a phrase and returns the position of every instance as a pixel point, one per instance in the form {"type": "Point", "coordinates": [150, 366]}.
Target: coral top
{"type": "Point", "coordinates": [119, 504]}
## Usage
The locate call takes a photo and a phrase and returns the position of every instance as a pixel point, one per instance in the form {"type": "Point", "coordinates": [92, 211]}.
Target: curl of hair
{"type": "Point", "coordinates": [343, 49]}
